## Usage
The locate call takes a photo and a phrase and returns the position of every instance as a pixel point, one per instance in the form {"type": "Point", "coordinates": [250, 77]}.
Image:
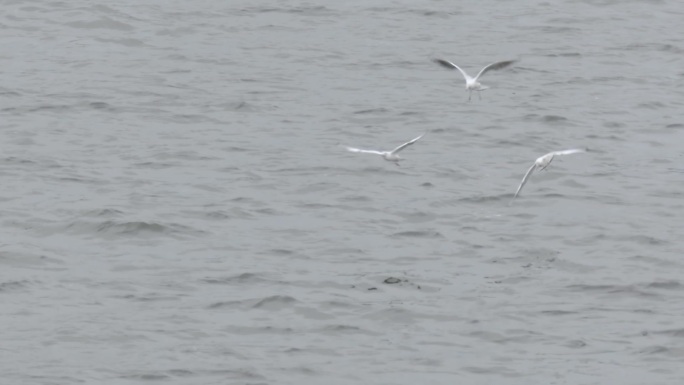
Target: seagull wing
{"type": "Point", "coordinates": [494, 66]}
{"type": "Point", "coordinates": [410, 142]}
{"type": "Point", "coordinates": [568, 152]}
{"type": "Point", "coordinates": [525, 178]}
{"type": "Point", "coordinates": [352, 149]}
{"type": "Point", "coordinates": [451, 66]}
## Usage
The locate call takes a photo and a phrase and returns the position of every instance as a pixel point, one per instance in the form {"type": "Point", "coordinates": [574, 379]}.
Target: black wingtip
{"type": "Point", "coordinates": [443, 63]}
{"type": "Point", "coordinates": [507, 63]}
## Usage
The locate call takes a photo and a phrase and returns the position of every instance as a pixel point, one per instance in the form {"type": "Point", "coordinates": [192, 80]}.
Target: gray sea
{"type": "Point", "coordinates": [177, 205]}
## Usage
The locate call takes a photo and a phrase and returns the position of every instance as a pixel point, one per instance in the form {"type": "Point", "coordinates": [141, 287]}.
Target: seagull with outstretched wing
{"type": "Point", "coordinates": [472, 84]}
{"type": "Point", "coordinates": [391, 156]}
{"type": "Point", "coordinates": [543, 162]}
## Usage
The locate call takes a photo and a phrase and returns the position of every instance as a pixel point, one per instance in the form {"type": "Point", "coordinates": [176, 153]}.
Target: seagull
{"type": "Point", "coordinates": [472, 84]}
{"type": "Point", "coordinates": [390, 156]}
{"type": "Point", "coordinates": [543, 162]}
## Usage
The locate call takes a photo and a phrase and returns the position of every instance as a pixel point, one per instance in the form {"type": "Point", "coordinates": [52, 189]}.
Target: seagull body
{"type": "Point", "coordinates": [390, 156]}
{"type": "Point", "coordinates": [472, 84]}
{"type": "Point", "coordinates": [543, 162]}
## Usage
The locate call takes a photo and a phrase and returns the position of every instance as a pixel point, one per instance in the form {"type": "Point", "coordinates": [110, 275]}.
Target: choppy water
{"type": "Point", "coordinates": [176, 203]}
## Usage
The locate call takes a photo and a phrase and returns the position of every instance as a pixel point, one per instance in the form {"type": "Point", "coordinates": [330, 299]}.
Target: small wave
{"type": "Point", "coordinates": [553, 118]}
{"type": "Point", "coordinates": [575, 344]}
{"type": "Point", "coordinates": [486, 198]}
{"type": "Point", "coordinates": [679, 333]}
{"type": "Point", "coordinates": [239, 106]}
{"type": "Point", "coordinates": [430, 13]}
{"type": "Point", "coordinates": [155, 165]}
{"type": "Point", "coordinates": [236, 149]}
{"type": "Point", "coordinates": [660, 47]}
{"type": "Point", "coordinates": [356, 198]}
{"type": "Point", "coordinates": [372, 111]}
{"type": "Point", "coordinates": [11, 160]}
{"type": "Point", "coordinates": [6, 92]}
{"type": "Point", "coordinates": [51, 108]}
{"type": "Point", "coordinates": [104, 213]}
{"type": "Point", "coordinates": [303, 10]}
{"type": "Point", "coordinates": [657, 261]}
{"type": "Point", "coordinates": [104, 23]}
{"type": "Point", "coordinates": [239, 279]}
{"type": "Point", "coordinates": [503, 371]}
{"type": "Point", "coordinates": [418, 217]}
{"type": "Point", "coordinates": [651, 105]}
{"type": "Point", "coordinates": [125, 42]}
{"type": "Point", "coordinates": [669, 285]}
{"type": "Point", "coordinates": [13, 286]}
{"type": "Point", "coordinates": [545, 118]}
{"type": "Point", "coordinates": [99, 105]}
{"type": "Point", "coordinates": [192, 118]}
{"type": "Point", "coordinates": [645, 240]}
{"type": "Point", "coordinates": [656, 349]}
{"type": "Point", "coordinates": [166, 375]}
{"type": "Point", "coordinates": [628, 290]}
{"type": "Point", "coordinates": [131, 228]}
{"type": "Point", "coordinates": [283, 252]}
{"type": "Point", "coordinates": [146, 377]}
{"type": "Point", "coordinates": [229, 304]}
{"type": "Point", "coordinates": [306, 171]}
{"type": "Point", "coordinates": [419, 234]}
{"type": "Point", "coordinates": [218, 215]}
{"type": "Point", "coordinates": [345, 329]}
{"type": "Point", "coordinates": [558, 312]}
{"type": "Point", "coordinates": [149, 298]}
{"type": "Point", "coordinates": [565, 54]}
{"type": "Point", "coordinates": [275, 302]}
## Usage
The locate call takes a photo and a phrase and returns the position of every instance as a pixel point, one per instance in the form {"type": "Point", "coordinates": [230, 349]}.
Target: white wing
{"type": "Point", "coordinates": [494, 66]}
{"type": "Point", "coordinates": [352, 149]}
{"type": "Point", "coordinates": [525, 178]}
{"type": "Point", "coordinates": [410, 142]}
{"type": "Point", "coordinates": [450, 65]}
{"type": "Point", "coordinates": [568, 152]}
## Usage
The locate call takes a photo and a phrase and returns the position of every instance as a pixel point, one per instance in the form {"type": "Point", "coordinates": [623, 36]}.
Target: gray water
{"type": "Point", "coordinates": [177, 205]}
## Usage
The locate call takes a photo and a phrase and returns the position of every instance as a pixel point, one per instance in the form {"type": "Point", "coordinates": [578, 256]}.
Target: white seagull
{"type": "Point", "coordinates": [472, 84]}
{"type": "Point", "coordinates": [390, 156]}
{"type": "Point", "coordinates": [543, 162]}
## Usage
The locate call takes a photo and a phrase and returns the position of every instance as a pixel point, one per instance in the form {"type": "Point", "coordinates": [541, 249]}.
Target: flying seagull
{"type": "Point", "coordinates": [390, 156]}
{"type": "Point", "coordinates": [472, 84]}
{"type": "Point", "coordinates": [543, 162]}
